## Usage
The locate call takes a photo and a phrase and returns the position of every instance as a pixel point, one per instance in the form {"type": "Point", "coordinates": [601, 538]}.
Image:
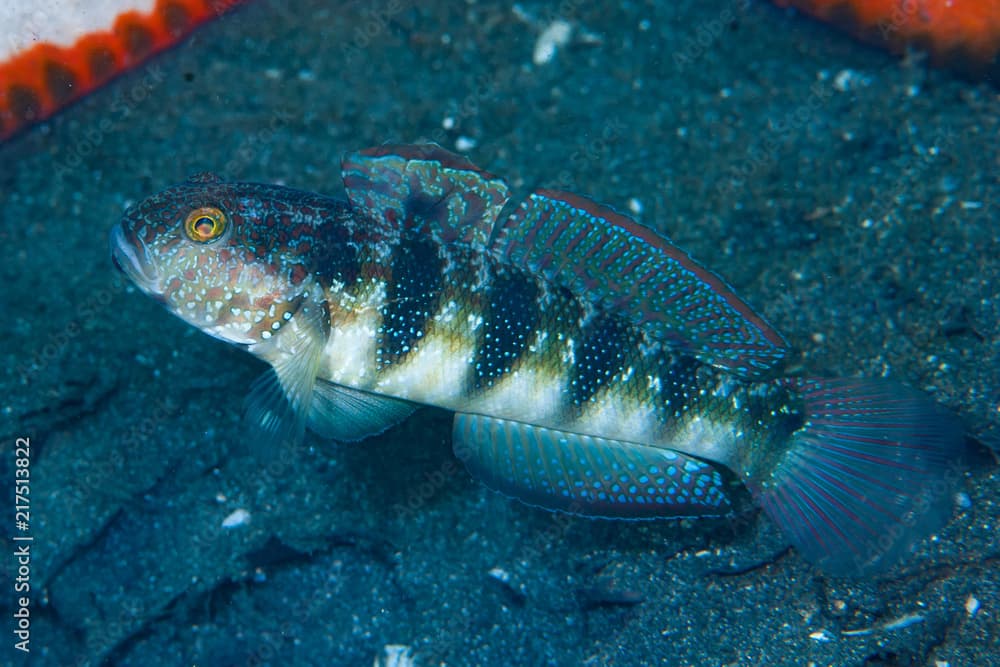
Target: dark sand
{"type": "Point", "coordinates": [850, 197]}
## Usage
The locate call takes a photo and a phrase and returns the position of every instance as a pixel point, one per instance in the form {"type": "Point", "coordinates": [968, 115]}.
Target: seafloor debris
{"type": "Point", "coordinates": [960, 34]}
{"type": "Point", "coordinates": [56, 52]}
{"type": "Point", "coordinates": [395, 655]}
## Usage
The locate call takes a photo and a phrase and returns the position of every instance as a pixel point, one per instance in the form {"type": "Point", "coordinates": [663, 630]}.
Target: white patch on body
{"type": "Point", "coordinates": [538, 344]}
{"type": "Point", "coordinates": [568, 355]}
{"type": "Point", "coordinates": [525, 395]}
{"type": "Point", "coordinates": [616, 420]}
{"type": "Point", "coordinates": [705, 438]}
{"type": "Point", "coordinates": [447, 313]}
{"type": "Point", "coordinates": [349, 356]}
{"type": "Point", "coordinates": [435, 373]}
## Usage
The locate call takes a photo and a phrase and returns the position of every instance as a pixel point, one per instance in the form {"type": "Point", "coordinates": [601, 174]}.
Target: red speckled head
{"type": "Point", "coordinates": [233, 259]}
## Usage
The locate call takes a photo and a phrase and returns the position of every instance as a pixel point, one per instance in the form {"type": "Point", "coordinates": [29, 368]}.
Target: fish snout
{"type": "Point", "coordinates": [131, 256]}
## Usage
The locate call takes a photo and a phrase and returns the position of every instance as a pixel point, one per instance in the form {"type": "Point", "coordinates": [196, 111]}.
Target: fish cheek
{"type": "Point", "coordinates": [237, 318]}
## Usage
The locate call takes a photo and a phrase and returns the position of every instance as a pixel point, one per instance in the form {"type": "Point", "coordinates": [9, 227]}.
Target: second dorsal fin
{"type": "Point", "coordinates": [592, 250]}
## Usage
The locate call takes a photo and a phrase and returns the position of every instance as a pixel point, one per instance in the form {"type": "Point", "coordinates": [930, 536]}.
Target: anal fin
{"type": "Point", "coordinates": [586, 475]}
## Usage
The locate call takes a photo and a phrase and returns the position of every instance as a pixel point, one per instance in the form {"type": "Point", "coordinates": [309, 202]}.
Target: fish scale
{"type": "Point", "coordinates": [585, 386]}
{"type": "Point", "coordinates": [594, 367]}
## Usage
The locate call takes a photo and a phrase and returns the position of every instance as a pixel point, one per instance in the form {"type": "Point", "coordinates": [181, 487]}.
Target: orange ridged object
{"type": "Point", "coordinates": [959, 34]}
{"type": "Point", "coordinates": [58, 51]}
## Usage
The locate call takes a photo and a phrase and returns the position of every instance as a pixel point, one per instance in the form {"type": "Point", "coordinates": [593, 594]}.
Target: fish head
{"type": "Point", "coordinates": [232, 259]}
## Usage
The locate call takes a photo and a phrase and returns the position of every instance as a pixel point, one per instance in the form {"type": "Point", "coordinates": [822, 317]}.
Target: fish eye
{"type": "Point", "coordinates": [205, 224]}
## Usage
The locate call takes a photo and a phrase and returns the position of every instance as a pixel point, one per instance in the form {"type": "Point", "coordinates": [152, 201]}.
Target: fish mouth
{"type": "Point", "coordinates": [131, 257]}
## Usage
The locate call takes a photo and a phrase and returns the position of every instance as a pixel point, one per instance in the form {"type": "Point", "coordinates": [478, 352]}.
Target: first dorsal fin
{"type": "Point", "coordinates": [425, 190]}
{"type": "Point", "coordinates": [597, 254]}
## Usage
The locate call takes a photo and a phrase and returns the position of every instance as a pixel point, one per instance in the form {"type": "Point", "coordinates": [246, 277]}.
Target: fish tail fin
{"type": "Point", "coordinates": [868, 474]}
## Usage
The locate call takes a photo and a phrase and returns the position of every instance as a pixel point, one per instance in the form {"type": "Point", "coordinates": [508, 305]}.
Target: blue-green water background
{"type": "Point", "coordinates": [850, 197]}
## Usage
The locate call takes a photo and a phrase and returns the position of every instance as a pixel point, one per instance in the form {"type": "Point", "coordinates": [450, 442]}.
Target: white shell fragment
{"type": "Point", "coordinates": [395, 655]}
{"type": "Point", "coordinates": [971, 605]}
{"type": "Point", "coordinates": [904, 621]}
{"type": "Point", "coordinates": [464, 143]}
{"type": "Point", "coordinates": [236, 518]}
{"type": "Point", "coordinates": [555, 36]}
{"type": "Point", "coordinates": [500, 575]}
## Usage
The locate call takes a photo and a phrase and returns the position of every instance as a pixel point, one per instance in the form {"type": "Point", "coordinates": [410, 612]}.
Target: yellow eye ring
{"type": "Point", "coordinates": [205, 224]}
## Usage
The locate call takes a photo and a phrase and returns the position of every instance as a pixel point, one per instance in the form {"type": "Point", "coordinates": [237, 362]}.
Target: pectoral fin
{"type": "Point", "coordinates": [275, 409]}
{"type": "Point", "coordinates": [279, 402]}
{"type": "Point", "coordinates": [582, 474]}
{"type": "Point", "coordinates": [341, 413]}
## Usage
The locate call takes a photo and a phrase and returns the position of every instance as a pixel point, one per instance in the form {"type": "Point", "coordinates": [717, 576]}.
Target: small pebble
{"type": "Point", "coordinates": [963, 500]}
{"type": "Point", "coordinates": [555, 36]}
{"type": "Point", "coordinates": [395, 655]}
{"type": "Point", "coordinates": [500, 574]}
{"type": "Point", "coordinates": [971, 605]}
{"type": "Point", "coordinates": [236, 518]}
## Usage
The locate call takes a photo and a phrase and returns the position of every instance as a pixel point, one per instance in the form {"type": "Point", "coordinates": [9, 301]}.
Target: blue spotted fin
{"type": "Point", "coordinates": [596, 253]}
{"type": "Point", "coordinates": [870, 473]}
{"type": "Point", "coordinates": [585, 475]}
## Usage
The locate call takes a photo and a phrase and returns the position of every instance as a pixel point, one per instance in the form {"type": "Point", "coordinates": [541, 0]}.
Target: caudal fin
{"type": "Point", "coordinates": [870, 473]}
